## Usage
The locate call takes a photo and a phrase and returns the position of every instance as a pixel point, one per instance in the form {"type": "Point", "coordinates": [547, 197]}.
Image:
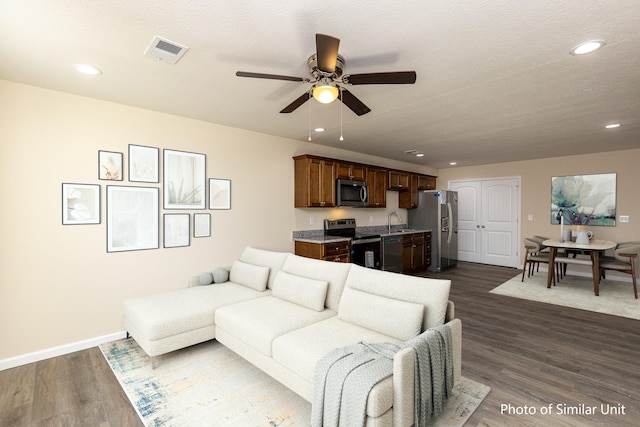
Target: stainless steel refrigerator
{"type": "Point", "coordinates": [438, 212]}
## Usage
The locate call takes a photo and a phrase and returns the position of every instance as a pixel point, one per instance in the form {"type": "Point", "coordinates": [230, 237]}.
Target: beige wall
{"type": "Point", "coordinates": [536, 188]}
{"type": "Point", "coordinates": [57, 283]}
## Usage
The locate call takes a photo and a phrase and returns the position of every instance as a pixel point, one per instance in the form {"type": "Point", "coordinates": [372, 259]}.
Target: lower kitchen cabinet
{"type": "Point", "coordinates": [336, 251]}
{"type": "Point", "coordinates": [416, 251]}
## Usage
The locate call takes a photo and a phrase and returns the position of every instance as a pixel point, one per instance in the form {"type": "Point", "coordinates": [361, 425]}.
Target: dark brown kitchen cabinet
{"type": "Point", "coordinates": [351, 171]}
{"type": "Point", "coordinates": [314, 182]}
{"type": "Point", "coordinates": [408, 198]}
{"type": "Point", "coordinates": [413, 252]}
{"type": "Point", "coordinates": [426, 182]}
{"type": "Point", "coordinates": [398, 180]}
{"type": "Point", "coordinates": [336, 252]}
{"type": "Point", "coordinates": [377, 180]}
{"type": "Point", "coordinates": [427, 249]}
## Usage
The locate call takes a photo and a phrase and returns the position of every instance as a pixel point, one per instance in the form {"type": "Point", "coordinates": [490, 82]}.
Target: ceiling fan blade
{"type": "Point", "coordinates": [327, 52]}
{"type": "Point", "coordinates": [392, 78]}
{"type": "Point", "coordinates": [297, 103]}
{"type": "Point", "coordinates": [352, 102]}
{"type": "Point", "coordinates": [271, 76]}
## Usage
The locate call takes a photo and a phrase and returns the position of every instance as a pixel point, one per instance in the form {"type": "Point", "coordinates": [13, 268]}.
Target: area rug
{"type": "Point", "coordinates": [616, 297]}
{"type": "Point", "coordinates": [209, 385]}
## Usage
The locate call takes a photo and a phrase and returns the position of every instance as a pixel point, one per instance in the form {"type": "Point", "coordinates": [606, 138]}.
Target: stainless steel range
{"type": "Point", "coordinates": [365, 248]}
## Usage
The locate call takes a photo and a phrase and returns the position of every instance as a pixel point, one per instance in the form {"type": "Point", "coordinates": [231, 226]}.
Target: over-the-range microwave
{"type": "Point", "coordinates": [352, 193]}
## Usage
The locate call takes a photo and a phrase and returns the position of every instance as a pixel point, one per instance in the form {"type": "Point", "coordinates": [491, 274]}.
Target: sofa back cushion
{"type": "Point", "coordinates": [399, 319]}
{"type": "Point", "coordinates": [335, 273]}
{"type": "Point", "coordinates": [271, 259]}
{"type": "Point", "coordinates": [433, 294]}
{"type": "Point", "coordinates": [307, 292]}
{"type": "Point", "coordinates": [252, 276]}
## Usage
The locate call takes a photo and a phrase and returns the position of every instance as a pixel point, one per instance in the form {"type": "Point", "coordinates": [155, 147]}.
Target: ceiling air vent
{"type": "Point", "coordinates": [165, 50]}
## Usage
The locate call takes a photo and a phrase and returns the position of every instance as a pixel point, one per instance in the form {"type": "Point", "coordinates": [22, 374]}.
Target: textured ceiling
{"type": "Point", "coordinates": [495, 79]}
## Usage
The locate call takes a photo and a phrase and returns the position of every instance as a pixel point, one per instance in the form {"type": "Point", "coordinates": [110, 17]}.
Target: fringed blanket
{"type": "Point", "coordinates": [344, 378]}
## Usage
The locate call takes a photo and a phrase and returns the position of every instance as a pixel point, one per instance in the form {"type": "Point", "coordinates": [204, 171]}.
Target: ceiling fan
{"type": "Point", "coordinates": [325, 67]}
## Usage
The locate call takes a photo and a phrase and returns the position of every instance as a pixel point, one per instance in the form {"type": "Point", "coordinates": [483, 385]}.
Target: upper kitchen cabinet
{"type": "Point", "coordinates": [352, 171]}
{"type": "Point", "coordinates": [398, 180]}
{"type": "Point", "coordinates": [408, 198]}
{"type": "Point", "coordinates": [314, 182]}
{"type": "Point", "coordinates": [377, 180]}
{"type": "Point", "coordinates": [426, 182]}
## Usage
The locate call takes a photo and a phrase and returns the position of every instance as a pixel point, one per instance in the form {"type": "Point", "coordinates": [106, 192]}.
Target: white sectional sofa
{"type": "Point", "coordinates": [283, 313]}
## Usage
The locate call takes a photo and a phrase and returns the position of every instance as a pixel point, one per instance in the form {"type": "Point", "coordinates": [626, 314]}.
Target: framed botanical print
{"type": "Point", "coordinates": [176, 230]}
{"type": "Point", "coordinates": [219, 193]}
{"type": "Point", "coordinates": [80, 204]}
{"type": "Point", "coordinates": [201, 225]}
{"type": "Point", "coordinates": [144, 164]}
{"type": "Point", "coordinates": [184, 180]}
{"type": "Point", "coordinates": [110, 165]}
{"type": "Point", "coordinates": [132, 218]}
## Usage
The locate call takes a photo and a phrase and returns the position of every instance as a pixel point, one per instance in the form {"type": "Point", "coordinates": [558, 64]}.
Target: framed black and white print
{"type": "Point", "coordinates": [80, 204]}
{"type": "Point", "coordinates": [201, 225]}
{"type": "Point", "coordinates": [144, 164]}
{"type": "Point", "coordinates": [110, 165]}
{"type": "Point", "coordinates": [184, 180]}
{"type": "Point", "coordinates": [132, 218]}
{"type": "Point", "coordinates": [219, 193]}
{"type": "Point", "coordinates": [176, 230]}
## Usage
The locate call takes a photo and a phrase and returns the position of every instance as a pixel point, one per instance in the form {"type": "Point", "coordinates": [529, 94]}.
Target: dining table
{"type": "Point", "coordinates": [594, 249]}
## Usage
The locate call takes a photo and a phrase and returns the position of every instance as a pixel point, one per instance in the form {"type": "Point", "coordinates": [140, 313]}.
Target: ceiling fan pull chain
{"type": "Point", "coordinates": [309, 109]}
{"type": "Point", "coordinates": [341, 138]}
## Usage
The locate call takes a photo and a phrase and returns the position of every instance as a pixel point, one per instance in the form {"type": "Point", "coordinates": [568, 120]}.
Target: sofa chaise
{"type": "Point", "coordinates": [283, 313]}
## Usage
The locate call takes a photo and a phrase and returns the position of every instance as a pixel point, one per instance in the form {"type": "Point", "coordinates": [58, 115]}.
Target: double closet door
{"type": "Point", "coordinates": [488, 226]}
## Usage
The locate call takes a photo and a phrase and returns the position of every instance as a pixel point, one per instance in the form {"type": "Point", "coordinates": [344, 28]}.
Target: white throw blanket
{"type": "Point", "coordinates": [344, 378]}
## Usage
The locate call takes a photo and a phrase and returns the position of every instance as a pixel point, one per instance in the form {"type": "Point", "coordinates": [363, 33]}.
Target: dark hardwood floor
{"type": "Point", "coordinates": [534, 356]}
{"type": "Point", "coordinates": [544, 358]}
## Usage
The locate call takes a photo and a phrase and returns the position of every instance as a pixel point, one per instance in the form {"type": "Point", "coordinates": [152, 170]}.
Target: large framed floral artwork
{"type": "Point", "coordinates": [584, 199]}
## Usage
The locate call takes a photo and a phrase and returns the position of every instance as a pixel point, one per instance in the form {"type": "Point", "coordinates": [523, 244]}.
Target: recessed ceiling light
{"type": "Point", "coordinates": [420, 155]}
{"type": "Point", "coordinates": [613, 126]}
{"type": "Point", "coordinates": [87, 69]}
{"type": "Point", "coordinates": [453, 163]}
{"type": "Point", "coordinates": [587, 47]}
{"type": "Point", "coordinates": [319, 129]}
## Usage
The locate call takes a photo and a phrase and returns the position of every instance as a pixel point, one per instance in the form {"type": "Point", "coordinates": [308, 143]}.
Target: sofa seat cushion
{"type": "Point", "coordinates": [433, 294]}
{"type": "Point", "coordinates": [170, 313]}
{"type": "Point", "coordinates": [335, 273]}
{"type": "Point", "coordinates": [300, 351]}
{"type": "Point", "coordinates": [260, 321]}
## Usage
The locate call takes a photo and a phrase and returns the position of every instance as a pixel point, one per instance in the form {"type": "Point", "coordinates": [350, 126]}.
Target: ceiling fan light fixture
{"type": "Point", "coordinates": [325, 93]}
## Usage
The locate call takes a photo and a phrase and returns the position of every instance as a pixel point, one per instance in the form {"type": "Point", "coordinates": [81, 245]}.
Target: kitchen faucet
{"type": "Point", "coordinates": [389, 219]}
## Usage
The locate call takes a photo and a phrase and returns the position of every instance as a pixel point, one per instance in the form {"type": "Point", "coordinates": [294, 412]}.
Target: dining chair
{"type": "Point", "coordinates": [536, 253]}
{"type": "Point", "coordinates": [623, 260]}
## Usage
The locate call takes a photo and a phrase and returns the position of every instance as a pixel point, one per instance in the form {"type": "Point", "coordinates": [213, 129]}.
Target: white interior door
{"type": "Point", "coordinates": [469, 211]}
{"type": "Point", "coordinates": [488, 226]}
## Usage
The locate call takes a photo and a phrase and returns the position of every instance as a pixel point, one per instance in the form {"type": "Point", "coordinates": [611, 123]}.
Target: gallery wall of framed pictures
{"type": "Point", "coordinates": [133, 211]}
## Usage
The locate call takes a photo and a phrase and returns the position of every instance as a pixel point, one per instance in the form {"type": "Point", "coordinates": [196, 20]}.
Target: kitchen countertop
{"type": "Point", "coordinates": [405, 231]}
{"type": "Point", "coordinates": [321, 238]}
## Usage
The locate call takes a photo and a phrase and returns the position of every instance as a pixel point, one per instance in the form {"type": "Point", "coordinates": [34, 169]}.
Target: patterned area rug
{"type": "Point", "coordinates": [616, 297]}
{"type": "Point", "coordinates": [209, 385]}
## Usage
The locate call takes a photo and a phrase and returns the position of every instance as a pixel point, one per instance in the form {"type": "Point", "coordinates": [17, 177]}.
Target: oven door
{"type": "Point", "coordinates": [366, 252]}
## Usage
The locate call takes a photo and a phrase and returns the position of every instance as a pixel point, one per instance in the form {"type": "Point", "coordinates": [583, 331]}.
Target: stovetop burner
{"type": "Point", "coordinates": [345, 228]}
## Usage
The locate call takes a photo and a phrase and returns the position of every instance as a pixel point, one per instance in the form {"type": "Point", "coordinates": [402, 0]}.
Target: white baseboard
{"type": "Point", "coordinates": [37, 356]}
